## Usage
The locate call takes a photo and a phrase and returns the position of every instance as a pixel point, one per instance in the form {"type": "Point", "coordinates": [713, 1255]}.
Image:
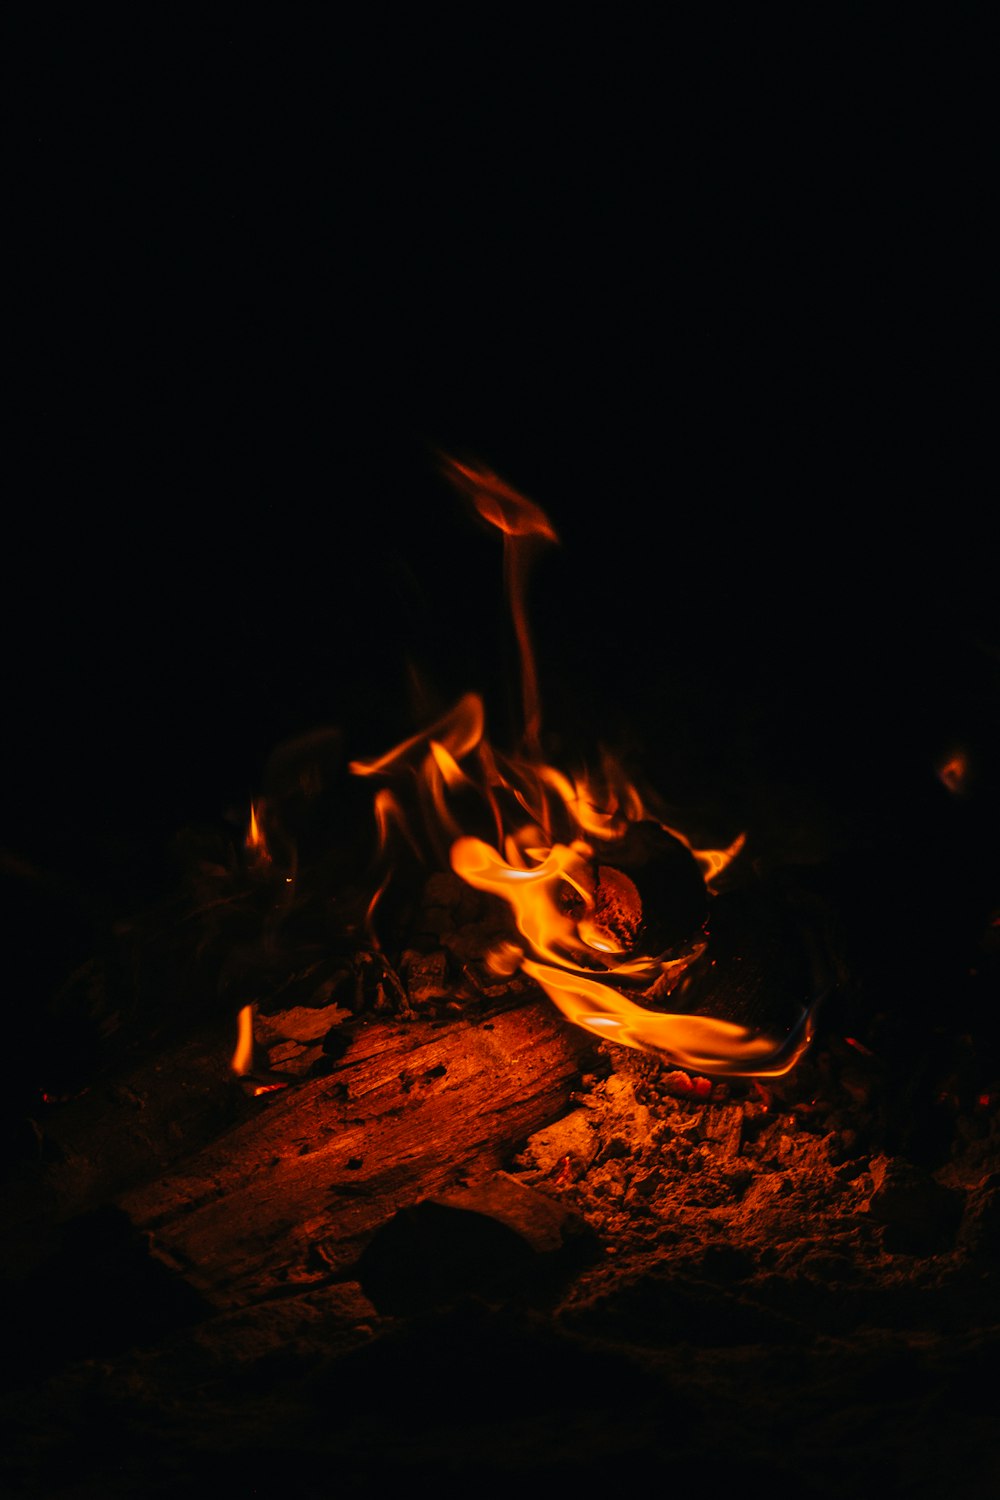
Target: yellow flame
{"type": "Point", "coordinates": [700, 1044]}
{"type": "Point", "coordinates": [562, 954]}
{"type": "Point", "coordinates": [714, 861]}
{"type": "Point", "coordinates": [531, 892]}
{"type": "Point", "coordinates": [457, 732]}
{"type": "Point", "coordinates": [242, 1059]}
{"type": "Point", "coordinates": [255, 839]}
{"type": "Point", "coordinates": [548, 824]}
{"type": "Point", "coordinates": [448, 766]}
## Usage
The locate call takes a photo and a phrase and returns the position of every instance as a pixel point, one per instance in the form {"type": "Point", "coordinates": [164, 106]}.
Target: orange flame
{"type": "Point", "coordinates": [699, 1044]}
{"type": "Point", "coordinates": [545, 830]}
{"type": "Point", "coordinates": [562, 955]}
{"type": "Point", "coordinates": [242, 1059]}
{"type": "Point", "coordinates": [523, 524]}
{"type": "Point", "coordinates": [545, 841]}
{"type": "Point", "coordinates": [256, 841]}
{"type": "Point", "coordinates": [496, 501]}
{"type": "Point", "coordinates": [954, 772]}
{"type": "Point", "coordinates": [255, 837]}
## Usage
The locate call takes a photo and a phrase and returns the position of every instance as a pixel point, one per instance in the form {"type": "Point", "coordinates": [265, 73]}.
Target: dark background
{"type": "Point", "coordinates": [717, 302]}
{"type": "Point", "coordinates": [717, 296]}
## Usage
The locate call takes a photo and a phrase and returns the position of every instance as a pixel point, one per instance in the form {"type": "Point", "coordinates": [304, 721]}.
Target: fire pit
{"type": "Point", "coordinates": [467, 1112]}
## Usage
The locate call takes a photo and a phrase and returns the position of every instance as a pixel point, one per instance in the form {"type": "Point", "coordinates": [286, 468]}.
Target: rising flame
{"type": "Point", "coordinates": [242, 1059]}
{"type": "Point", "coordinates": [550, 844]}
{"type": "Point", "coordinates": [550, 856]}
{"type": "Point", "coordinates": [255, 835]}
{"type": "Point", "coordinates": [523, 525]}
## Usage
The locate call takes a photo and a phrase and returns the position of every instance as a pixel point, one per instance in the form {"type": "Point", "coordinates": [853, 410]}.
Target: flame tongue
{"type": "Point", "coordinates": [533, 894]}
{"type": "Point", "coordinates": [609, 901]}
{"type": "Point", "coordinates": [700, 1044]}
{"type": "Point", "coordinates": [496, 501]}
{"type": "Point", "coordinates": [562, 955]}
{"type": "Point", "coordinates": [523, 524]}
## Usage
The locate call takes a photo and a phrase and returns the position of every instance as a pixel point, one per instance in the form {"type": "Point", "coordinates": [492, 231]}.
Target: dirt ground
{"type": "Point", "coordinates": [680, 1281]}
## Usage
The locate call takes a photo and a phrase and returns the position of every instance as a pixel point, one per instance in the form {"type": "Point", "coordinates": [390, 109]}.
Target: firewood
{"type": "Point", "coordinates": [292, 1194]}
{"type": "Point", "coordinates": [497, 1238]}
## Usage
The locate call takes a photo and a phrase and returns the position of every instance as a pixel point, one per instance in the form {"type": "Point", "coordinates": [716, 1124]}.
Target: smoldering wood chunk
{"type": "Point", "coordinates": [724, 1127]}
{"type": "Point", "coordinates": [484, 982]}
{"type": "Point", "coordinates": [496, 1238]}
{"type": "Point", "coordinates": [567, 1146]}
{"type": "Point", "coordinates": [662, 904]}
{"type": "Point", "coordinates": [300, 1040]}
{"type": "Point", "coordinates": [760, 968]}
{"type": "Point", "coordinates": [547, 1226]}
{"type": "Point", "coordinates": [301, 1023]}
{"type": "Point", "coordinates": [447, 902]}
{"type": "Point", "coordinates": [293, 1060]}
{"type": "Point", "coordinates": [453, 917]}
{"type": "Point", "coordinates": [424, 976]}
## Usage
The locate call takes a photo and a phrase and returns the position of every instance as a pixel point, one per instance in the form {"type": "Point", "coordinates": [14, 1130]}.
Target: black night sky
{"type": "Point", "coordinates": [717, 309]}
{"type": "Point", "coordinates": [715, 294]}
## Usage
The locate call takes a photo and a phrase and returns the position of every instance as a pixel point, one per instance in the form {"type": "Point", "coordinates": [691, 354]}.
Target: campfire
{"type": "Point", "coordinates": [521, 1059]}
{"type": "Point", "coordinates": [609, 904]}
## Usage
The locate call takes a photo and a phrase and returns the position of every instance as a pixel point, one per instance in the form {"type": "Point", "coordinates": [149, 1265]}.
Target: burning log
{"type": "Point", "coordinates": [390, 922]}
{"type": "Point", "coordinates": [292, 1194]}
{"type": "Point", "coordinates": [256, 1194]}
{"type": "Point", "coordinates": [497, 1238]}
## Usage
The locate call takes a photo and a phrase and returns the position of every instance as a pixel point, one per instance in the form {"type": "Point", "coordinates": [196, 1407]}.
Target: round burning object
{"type": "Point", "coordinates": [648, 900]}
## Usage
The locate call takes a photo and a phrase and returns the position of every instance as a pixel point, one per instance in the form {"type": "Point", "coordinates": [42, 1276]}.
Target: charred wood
{"type": "Point", "coordinates": [292, 1194]}
{"type": "Point", "coordinates": [243, 1193]}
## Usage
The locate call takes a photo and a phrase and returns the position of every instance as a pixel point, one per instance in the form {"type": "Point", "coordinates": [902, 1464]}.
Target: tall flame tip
{"type": "Point", "coordinates": [497, 501]}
